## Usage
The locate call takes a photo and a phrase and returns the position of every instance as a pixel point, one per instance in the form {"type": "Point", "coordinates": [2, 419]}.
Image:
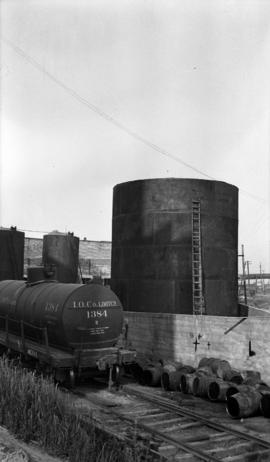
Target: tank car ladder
{"type": "Point", "coordinates": [197, 287]}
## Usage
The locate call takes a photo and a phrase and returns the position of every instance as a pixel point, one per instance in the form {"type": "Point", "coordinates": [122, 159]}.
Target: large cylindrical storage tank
{"type": "Point", "coordinates": [11, 253]}
{"type": "Point", "coordinates": [62, 250]}
{"type": "Point", "coordinates": [152, 245]}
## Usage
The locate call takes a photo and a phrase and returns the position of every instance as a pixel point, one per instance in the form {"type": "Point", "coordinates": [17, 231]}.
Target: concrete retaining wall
{"type": "Point", "coordinates": [172, 336]}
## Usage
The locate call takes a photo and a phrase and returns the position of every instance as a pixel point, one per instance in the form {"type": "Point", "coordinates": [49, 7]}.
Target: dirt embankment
{"type": "Point", "coordinates": [13, 450]}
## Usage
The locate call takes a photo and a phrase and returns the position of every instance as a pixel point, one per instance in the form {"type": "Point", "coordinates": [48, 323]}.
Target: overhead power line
{"type": "Point", "coordinates": [111, 119]}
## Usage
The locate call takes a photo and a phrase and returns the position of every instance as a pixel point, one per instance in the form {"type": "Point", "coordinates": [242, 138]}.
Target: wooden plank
{"type": "Point", "coordinates": [153, 416]}
{"type": "Point", "coordinates": [168, 421]}
{"type": "Point", "coordinates": [190, 425]}
{"type": "Point", "coordinates": [138, 411]}
{"type": "Point", "coordinates": [221, 450]}
{"type": "Point", "coordinates": [249, 456]}
{"type": "Point", "coordinates": [183, 457]}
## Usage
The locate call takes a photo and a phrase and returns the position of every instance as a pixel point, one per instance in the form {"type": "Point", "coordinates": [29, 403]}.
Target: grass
{"type": "Point", "coordinates": [33, 409]}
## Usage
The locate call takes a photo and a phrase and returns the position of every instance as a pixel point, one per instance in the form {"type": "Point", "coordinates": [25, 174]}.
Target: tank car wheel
{"type": "Point", "coordinates": [71, 378]}
{"type": "Point", "coordinates": [116, 374]}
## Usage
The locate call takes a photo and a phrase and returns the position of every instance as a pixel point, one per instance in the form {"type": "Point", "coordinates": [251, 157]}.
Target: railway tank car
{"type": "Point", "coordinates": [71, 328]}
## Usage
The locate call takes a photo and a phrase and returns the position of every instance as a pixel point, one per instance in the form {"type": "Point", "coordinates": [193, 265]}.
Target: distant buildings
{"type": "Point", "coordinates": [94, 257]}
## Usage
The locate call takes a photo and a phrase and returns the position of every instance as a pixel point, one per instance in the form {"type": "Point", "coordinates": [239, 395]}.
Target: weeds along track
{"type": "Point", "coordinates": [101, 411]}
{"type": "Point", "coordinates": [172, 432]}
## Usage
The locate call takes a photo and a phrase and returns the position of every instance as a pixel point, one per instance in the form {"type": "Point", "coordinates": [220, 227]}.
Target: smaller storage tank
{"type": "Point", "coordinates": [11, 253]}
{"type": "Point", "coordinates": [62, 250]}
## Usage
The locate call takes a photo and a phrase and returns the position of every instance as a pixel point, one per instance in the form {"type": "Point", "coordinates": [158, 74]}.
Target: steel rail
{"type": "Point", "coordinates": [184, 446]}
{"type": "Point", "coordinates": [94, 420]}
{"type": "Point", "coordinates": [188, 449]}
{"type": "Point", "coordinates": [174, 407]}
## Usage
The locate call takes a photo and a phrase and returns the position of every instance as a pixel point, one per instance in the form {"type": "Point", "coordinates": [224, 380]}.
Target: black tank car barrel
{"type": "Point", "coordinates": [80, 323]}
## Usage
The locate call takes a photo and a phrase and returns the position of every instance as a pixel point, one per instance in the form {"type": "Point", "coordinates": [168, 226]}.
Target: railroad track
{"type": "Point", "coordinates": [178, 434]}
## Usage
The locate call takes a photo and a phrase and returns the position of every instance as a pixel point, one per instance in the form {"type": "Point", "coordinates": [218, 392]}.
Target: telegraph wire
{"type": "Point", "coordinates": [111, 119]}
{"type": "Point", "coordinates": [97, 110]}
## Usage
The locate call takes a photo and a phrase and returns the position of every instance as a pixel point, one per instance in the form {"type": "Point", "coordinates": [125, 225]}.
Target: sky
{"type": "Point", "coordinates": [96, 93]}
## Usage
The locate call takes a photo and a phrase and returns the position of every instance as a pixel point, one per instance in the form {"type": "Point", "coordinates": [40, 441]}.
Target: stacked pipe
{"type": "Point", "coordinates": [191, 381]}
{"type": "Point", "coordinates": [244, 393]}
{"type": "Point", "coordinates": [210, 370]}
{"type": "Point", "coordinates": [151, 376]}
{"type": "Point", "coordinates": [147, 372]}
{"type": "Point", "coordinates": [172, 374]}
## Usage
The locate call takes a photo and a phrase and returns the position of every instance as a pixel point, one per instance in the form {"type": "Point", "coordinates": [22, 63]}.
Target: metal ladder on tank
{"type": "Point", "coordinates": [197, 286]}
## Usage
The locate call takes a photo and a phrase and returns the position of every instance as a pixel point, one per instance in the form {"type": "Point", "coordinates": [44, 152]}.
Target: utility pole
{"type": "Point", "coordinates": [244, 274]}
{"type": "Point", "coordinates": [262, 280]}
{"type": "Point", "coordinates": [248, 263]}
